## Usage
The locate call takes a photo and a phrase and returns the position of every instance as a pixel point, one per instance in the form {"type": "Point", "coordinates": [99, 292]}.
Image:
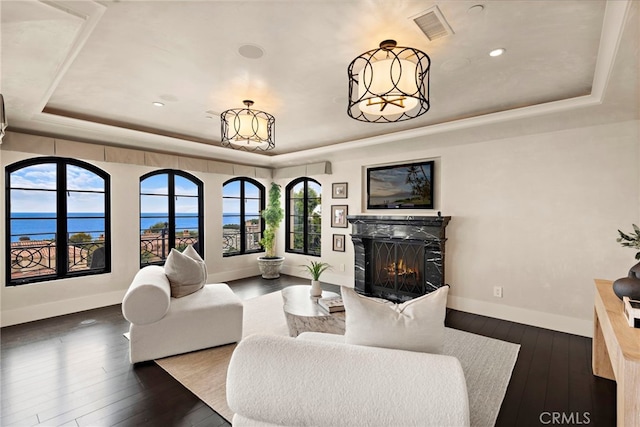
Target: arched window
{"type": "Point", "coordinates": [304, 214]}
{"type": "Point", "coordinates": [242, 225]}
{"type": "Point", "coordinates": [171, 214]}
{"type": "Point", "coordinates": [58, 220]}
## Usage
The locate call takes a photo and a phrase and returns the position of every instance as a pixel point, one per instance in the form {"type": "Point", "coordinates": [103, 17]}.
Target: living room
{"type": "Point", "coordinates": [535, 195]}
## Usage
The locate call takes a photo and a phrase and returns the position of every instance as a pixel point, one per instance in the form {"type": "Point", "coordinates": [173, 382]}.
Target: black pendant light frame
{"type": "Point", "coordinates": [389, 50]}
{"type": "Point", "coordinates": [230, 123]}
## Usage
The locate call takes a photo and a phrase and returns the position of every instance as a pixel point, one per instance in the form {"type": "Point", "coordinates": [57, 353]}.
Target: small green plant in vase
{"type": "Point", "coordinates": [315, 270]}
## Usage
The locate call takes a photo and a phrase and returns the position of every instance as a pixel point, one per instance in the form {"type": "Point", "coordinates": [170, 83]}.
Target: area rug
{"type": "Point", "coordinates": [487, 362]}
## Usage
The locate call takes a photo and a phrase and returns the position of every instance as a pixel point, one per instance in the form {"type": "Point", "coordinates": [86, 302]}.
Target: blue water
{"type": "Point", "coordinates": [42, 226]}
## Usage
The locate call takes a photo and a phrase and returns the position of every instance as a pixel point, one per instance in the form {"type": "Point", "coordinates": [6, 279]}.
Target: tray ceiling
{"type": "Point", "coordinates": [91, 70]}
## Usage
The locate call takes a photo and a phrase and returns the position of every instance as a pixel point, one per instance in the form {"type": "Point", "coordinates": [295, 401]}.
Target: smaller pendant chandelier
{"type": "Point", "coordinates": [246, 129]}
{"type": "Point", "coordinates": [389, 84]}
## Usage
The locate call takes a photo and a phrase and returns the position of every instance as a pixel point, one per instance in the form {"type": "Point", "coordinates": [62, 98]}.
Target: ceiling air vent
{"type": "Point", "coordinates": [433, 24]}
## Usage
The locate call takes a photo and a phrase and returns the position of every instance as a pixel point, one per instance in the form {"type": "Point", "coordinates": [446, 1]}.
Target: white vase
{"type": "Point", "coordinates": [316, 290]}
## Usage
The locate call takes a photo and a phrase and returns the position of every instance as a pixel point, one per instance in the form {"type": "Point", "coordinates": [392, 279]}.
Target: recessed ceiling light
{"type": "Point", "coordinates": [251, 51]}
{"type": "Point", "coordinates": [497, 52]}
{"type": "Point", "coordinates": [158, 104]}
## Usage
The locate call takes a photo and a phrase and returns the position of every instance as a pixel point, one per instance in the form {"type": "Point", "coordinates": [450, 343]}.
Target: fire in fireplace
{"type": "Point", "coordinates": [402, 270]}
{"type": "Point", "coordinates": [397, 267]}
{"type": "Point", "coordinates": [398, 258]}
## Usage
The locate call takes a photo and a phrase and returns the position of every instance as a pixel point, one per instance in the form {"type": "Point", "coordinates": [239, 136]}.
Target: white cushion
{"type": "Point", "coordinates": [147, 299]}
{"type": "Point", "coordinates": [207, 318]}
{"type": "Point", "coordinates": [186, 271]}
{"type": "Point", "coordinates": [415, 325]}
{"type": "Point", "coordinates": [276, 380]}
{"type": "Point", "coordinates": [191, 252]}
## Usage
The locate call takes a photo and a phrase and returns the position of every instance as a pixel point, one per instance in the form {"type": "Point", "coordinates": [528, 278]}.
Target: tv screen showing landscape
{"type": "Point", "coordinates": [406, 186]}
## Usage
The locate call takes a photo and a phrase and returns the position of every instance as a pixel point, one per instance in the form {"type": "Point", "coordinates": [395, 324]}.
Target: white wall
{"type": "Point", "coordinates": [535, 214]}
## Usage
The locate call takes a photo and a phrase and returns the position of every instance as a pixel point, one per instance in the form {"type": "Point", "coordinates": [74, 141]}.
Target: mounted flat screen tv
{"type": "Point", "coordinates": [406, 186]}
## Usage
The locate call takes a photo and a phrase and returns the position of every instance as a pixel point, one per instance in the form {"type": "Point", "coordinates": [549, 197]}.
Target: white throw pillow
{"type": "Point", "coordinates": [415, 325]}
{"type": "Point", "coordinates": [191, 252]}
{"type": "Point", "coordinates": [186, 271]}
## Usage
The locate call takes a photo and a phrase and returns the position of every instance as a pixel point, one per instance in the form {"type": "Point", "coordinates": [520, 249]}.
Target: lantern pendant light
{"type": "Point", "coordinates": [389, 84]}
{"type": "Point", "coordinates": [247, 129]}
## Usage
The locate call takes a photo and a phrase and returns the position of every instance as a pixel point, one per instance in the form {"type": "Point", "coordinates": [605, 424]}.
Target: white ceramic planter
{"type": "Point", "coordinates": [270, 267]}
{"type": "Point", "coordinates": [316, 290]}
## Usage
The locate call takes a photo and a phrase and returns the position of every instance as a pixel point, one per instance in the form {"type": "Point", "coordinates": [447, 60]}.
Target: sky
{"type": "Point", "coordinates": [388, 185]}
{"type": "Point", "coordinates": [32, 187]}
{"type": "Point", "coordinates": [31, 191]}
{"type": "Point", "coordinates": [155, 190]}
{"type": "Point", "coordinates": [231, 195]}
{"type": "Point", "coordinates": [41, 178]}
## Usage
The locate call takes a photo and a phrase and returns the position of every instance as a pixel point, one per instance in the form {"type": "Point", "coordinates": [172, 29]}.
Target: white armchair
{"type": "Point", "coordinates": [164, 326]}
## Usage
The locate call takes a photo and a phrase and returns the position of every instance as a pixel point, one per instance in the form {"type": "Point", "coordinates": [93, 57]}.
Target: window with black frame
{"type": "Point", "coordinates": [242, 224]}
{"type": "Point", "coordinates": [171, 214]}
{"type": "Point", "coordinates": [58, 220]}
{"type": "Point", "coordinates": [304, 216]}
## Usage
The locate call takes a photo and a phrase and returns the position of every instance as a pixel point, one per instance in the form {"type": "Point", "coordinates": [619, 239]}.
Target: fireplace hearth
{"type": "Point", "coordinates": [398, 257]}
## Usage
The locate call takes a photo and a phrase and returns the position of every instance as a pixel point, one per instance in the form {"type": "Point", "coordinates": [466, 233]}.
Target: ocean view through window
{"type": "Point", "coordinates": [58, 222]}
{"type": "Point", "coordinates": [171, 206]}
{"type": "Point", "coordinates": [86, 222]}
{"type": "Point", "coordinates": [242, 224]}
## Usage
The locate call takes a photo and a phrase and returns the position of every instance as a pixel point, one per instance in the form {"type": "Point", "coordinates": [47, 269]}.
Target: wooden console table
{"type": "Point", "coordinates": [616, 353]}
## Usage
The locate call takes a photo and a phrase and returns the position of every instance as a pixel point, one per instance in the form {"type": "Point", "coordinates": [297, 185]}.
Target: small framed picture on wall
{"type": "Point", "coordinates": [339, 216]}
{"type": "Point", "coordinates": [339, 190]}
{"type": "Point", "coordinates": [338, 242]}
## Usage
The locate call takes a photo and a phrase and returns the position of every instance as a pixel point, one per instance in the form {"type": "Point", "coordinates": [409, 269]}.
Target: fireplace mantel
{"type": "Point", "coordinates": [399, 227]}
{"type": "Point", "coordinates": [426, 231]}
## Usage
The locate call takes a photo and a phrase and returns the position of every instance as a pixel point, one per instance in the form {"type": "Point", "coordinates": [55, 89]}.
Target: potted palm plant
{"type": "Point", "coordinates": [315, 270]}
{"type": "Point", "coordinates": [270, 264]}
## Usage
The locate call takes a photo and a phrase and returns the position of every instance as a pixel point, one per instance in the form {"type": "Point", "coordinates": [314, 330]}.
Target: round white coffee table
{"type": "Point", "coordinates": [303, 313]}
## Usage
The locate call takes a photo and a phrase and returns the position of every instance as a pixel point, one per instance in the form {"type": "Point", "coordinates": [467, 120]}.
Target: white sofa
{"type": "Point", "coordinates": [318, 380]}
{"type": "Point", "coordinates": [163, 326]}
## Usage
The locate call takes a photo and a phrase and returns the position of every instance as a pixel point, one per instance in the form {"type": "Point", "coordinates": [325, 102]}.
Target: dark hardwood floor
{"type": "Point", "coordinates": [73, 370]}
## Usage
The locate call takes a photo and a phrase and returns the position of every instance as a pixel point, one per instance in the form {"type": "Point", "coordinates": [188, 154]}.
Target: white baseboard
{"type": "Point", "coordinates": [59, 308]}
{"type": "Point", "coordinates": [229, 275]}
{"type": "Point", "coordinates": [540, 319]}
{"type": "Point", "coordinates": [327, 276]}
{"type": "Point", "coordinates": [514, 314]}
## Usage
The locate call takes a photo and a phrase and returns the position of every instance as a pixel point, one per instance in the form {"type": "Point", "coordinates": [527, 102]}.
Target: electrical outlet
{"type": "Point", "coordinates": [341, 267]}
{"type": "Point", "coordinates": [497, 291]}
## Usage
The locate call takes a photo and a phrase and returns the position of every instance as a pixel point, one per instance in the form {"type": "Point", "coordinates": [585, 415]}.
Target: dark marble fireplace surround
{"type": "Point", "coordinates": [398, 257]}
